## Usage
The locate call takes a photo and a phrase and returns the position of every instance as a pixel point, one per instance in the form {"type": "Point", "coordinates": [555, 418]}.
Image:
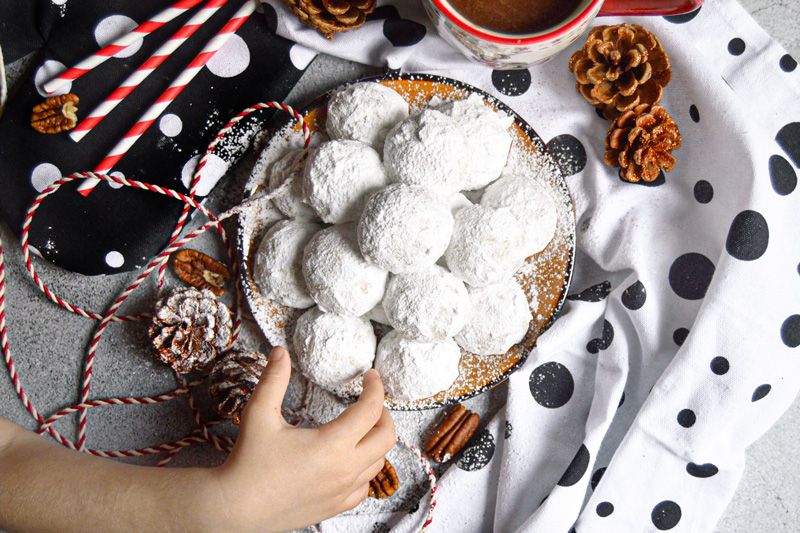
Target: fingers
{"type": "Point", "coordinates": [370, 472]}
{"type": "Point", "coordinates": [380, 438]}
{"type": "Point", "coordinates": [267, 398]}
{"type": "Point", "coordinates": [358, 496]}
{"type": "Point", "coordinates": [360, 417]}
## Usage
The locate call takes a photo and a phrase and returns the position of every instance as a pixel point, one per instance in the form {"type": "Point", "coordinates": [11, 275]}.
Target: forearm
{"type": "Point", "coordinates": [46, 487]}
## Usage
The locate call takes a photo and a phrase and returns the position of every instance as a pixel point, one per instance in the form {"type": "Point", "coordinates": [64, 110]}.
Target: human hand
{"type": "Point", "coordinates": [280, 477]}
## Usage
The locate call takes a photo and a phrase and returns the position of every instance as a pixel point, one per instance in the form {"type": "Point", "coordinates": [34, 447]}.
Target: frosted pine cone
{"type": "Point", "coordinates": [619, 68]}
{"type": "Point", "coordinates": [330, 17]}
{"type": "Point", "coordinates": [188, 329]}
{"type": "Point", "coordinates": [641, 141]}
{"type": "Point", "coordinates": [233, 380]}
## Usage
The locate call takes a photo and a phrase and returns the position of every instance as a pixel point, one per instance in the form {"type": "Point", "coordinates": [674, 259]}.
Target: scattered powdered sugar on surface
{"type": "Point", "coordinates": [365, 112]}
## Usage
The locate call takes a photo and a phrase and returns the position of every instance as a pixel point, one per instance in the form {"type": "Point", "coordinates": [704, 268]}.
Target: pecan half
{"type": "Point", "coordinates": [56, 114]}
{"type": "Point", "coordinates": [200, 271]}
{"type": "Point", "coordinates": [452, 433]}
{"type": "Point", "coordinates": [385, 483]}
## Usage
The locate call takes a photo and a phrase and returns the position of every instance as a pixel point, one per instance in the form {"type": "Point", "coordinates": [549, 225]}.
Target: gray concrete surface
{"type": "Point", "coordinates": [47, 344]}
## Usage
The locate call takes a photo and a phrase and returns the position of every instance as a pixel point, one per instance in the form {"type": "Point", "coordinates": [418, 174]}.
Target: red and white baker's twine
{"type": "Point", "coordinates": [202, 432]}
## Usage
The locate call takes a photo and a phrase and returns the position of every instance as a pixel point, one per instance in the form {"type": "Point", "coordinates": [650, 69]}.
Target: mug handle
{"type": "Point", "coordinates": [648, 7]}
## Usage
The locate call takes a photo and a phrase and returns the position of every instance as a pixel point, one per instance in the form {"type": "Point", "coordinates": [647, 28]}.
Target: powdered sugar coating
{"type": "Point", "coordinates": [339, 177]}
{"type": "Point", "coordinates": [278, 263]}
{"type": "Point", "coordinates": [500, 318]}
{"type": "Point", "coordinates": [457, 202]}
{"type": "Point", "coordinates": [487, 138]}
{"type": "Point", "coordinates": [487, 245]}
{"type": "Point", "coordinates": [428, 306]}
{"type": "Point", "coordinates": [532, 205]}
{"type": "Point", "coordinates": [290, 202]}
{"type": "Point", "coordinates": [404, 228]}
{"type": "Point", "coordinates": [377, 314]}
{"type": "Point", "coordinates": [428, 149]}
{"type": "Point", "coordinates": [365, 112]}
{"type": "Point", "coordinates": [338, 277]}
{"type": "Point", "coordinates": [333, 350]}
{"type": "Point", "coordinates": [414, 370]}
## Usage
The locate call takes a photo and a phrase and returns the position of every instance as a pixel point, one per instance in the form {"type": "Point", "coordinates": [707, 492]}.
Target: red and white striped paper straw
{"type": "Point", "coordinates": [141, 73]}
{"type": "Point", "coordinates": [172, 92]}
{"type": "Point", "coordinates": [119, 43]}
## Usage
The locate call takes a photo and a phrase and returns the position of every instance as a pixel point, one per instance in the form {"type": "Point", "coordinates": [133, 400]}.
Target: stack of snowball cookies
{"type": "Point", "coordinates": [378, 229]}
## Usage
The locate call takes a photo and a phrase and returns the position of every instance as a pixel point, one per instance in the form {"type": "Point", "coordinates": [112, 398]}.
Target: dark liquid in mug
{"type": "Point", "coordinates": [516, 16]}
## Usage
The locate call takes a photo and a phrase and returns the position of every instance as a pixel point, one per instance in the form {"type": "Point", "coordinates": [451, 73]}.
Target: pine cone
{"type": "Point", "coordinates": [619, 68]}
{"type": "Point", "coordinates": [640, 141]}
{"type": "Point", "coordinates": [330, 17]}
{"type": "Point", "coordinates": [233, 380]}
{"type": "Point", "coordinates": [189, 327]}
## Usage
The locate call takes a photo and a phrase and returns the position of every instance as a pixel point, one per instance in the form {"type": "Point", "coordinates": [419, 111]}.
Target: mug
{"type": "Point", "coordinates": [509, 50]}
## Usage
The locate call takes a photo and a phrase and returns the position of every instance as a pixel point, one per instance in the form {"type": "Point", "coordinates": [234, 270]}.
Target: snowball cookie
{"type": "Point", "coordinates": [339, 279]}
{"type": "Point", "coordinates": [365, 112]}
{"type": "Point", "coordinates": [500, 318]}
{"type": "Point", "coordinates": [487, 138]}
{"type": "Point", "coordinates": [278, 265]}
{"type": "Point", "coordinates": [487, 245]}
{"type": "Point", "coordinates": [428, 306]}
{"type": "Point", "coordinates": [428, 149]}
{"type": "Point", "coordinates": [339, 176]}
{"type": "Point", "coordinates": [404, 228]}
{"type": "Point", "coordinates": [414, 370]}
{"type": "Point", "coordinates": [290, 202]}
{"type": "Point", "coordinates": [331, 350]}
{"type": "Point", "coordinates": [532, 205]}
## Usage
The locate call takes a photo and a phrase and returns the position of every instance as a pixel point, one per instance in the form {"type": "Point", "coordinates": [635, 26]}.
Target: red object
{"type": "Point", "coordinates": [648, 7]}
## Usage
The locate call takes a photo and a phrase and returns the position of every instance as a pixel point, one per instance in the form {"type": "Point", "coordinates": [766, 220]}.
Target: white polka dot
{"type": "Point", "coordinates": [59, 2]}
{"type": "Point", "coordinates": [114, 259]}
{"type": "Point", "coordinates": [114, 184]}
{"type": "Point", "coordinates": [301, 56]}
{"type": "Point", "coordinates": [44, 175]}
{"type": "Point", "coordinates": [214, 169]}
{"type": "Point", "coordinates": [170, 125]}
{"type": "Point", "coordinates": [230, 60]}
{"type": "Point", "coordinates": [49, 70]}
{"type": "Point", "coordinates": [115, 26]}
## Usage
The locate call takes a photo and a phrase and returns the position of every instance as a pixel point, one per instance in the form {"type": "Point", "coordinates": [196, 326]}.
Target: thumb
{"type": "Point", "coordinates": [267, 397]}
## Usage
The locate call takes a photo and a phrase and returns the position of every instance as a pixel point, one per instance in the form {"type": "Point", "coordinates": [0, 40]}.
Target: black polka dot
{"type": "Point", "coordinates": [748, 237]}
{"type": "Point", "coordinates": [384, 12]}
{"type": "Point", "coordinates": [790, 330]}
{"type": "Point", "coordinates": [760, 392]}
{"type": "Point", "coordinates": [666, 515]}
{"type": "Point", "coordinates": [271, 17]}
{"type": "Point", "coordinates": [599, 113]}
{"type": "Point", "coordinates": [595, 293]}
{"type": "Point", "coordinates": [380, 527]}
{"type": "Point", "coordinates": [720, 366]}
{"type": "Point", "coordinates": [701, 471]}
{"type": "Point", "coordinates": [597, 476]}
{"type": "Point", "coordinates": [621, 400]}
{"type": "Point", "coordinates": [782, 175]}
{"type": "Point", "coordinates": [736, 46]}
{"type": "Point", "coordinates": [576, 469]}
{"type": "Point", "coordinates": [687, 418]}
{"type": "Point", "coordinates": [703, 191]}
{"type": "Point", "coordinates": [694, 113]}
{"type": "Point", "coordinates": [604, 509]}
{"type": "Point", "coordinates": [634, 296]}
{"type": "Point", "coordinates": [679, 336]}
{"type": "Point", "coordinates": [478, 454]}
{"type": "Point", "coordinates": [787, 63]}
{"type": "Point", "coordinates": [402, 32]}
{"type": "Point", "coordinates": [551, 385]}
{"type": "Point", "coordinates": [690, 275]}
{"type": "Point", "coordinates": [511, 82]}
{"type": "Point", "coordinates": [569, 153]}
{"type": "Point", "coordinates": [509, 430]}
{"type": "Point", "coordinates": [661, 179]}
{"type": "Point", "coordinates": [789, 139]}
{"type": "Point", "coordinates": [604, 341]}
{"type": "Point", "coordinates": [682, 19]}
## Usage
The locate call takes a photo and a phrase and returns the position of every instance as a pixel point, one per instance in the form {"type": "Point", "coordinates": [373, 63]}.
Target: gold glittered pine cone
{"type": "Point", "coordinates": [189, 328]}
{"type": "Point", "coordinates": [233, 379]}
{"type": "Point", "coordinates": [619, 68]}
{"type": "Point", "coordinates": [330, 17]}
{"type": "Point", "coordinates": [641, 141]}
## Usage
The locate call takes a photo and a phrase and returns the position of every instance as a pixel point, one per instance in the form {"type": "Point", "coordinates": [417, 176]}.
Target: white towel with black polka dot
{"type": "Point", "coordinates": [678, 346]}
